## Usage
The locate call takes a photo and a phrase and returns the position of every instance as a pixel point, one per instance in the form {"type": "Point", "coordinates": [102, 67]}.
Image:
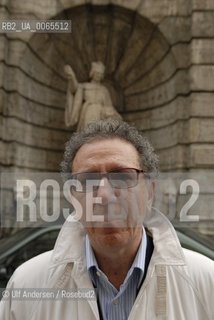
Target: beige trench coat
{"type": "Point", "coordinates": [179, 284]}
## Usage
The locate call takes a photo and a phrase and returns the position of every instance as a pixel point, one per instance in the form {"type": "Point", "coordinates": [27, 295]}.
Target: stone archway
{"type": "Point", "coordinates": [141, 72]}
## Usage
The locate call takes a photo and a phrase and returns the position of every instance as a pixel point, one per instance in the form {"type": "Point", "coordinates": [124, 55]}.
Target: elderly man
{"type": "Point", "coordinates": [115, 242]}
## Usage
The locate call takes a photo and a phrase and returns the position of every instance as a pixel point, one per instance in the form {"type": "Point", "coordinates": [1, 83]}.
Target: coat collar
{"type": "Point", "coordinates": [70, 246]}
{"type": "Point", "coordinates": [167, 248]}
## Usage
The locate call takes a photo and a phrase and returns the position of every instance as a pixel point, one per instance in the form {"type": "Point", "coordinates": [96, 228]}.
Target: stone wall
{"type": "Point", "coordinates": [159, 58]}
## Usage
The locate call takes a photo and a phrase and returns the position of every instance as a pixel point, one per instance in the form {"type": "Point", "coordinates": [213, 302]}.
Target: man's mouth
{"type": "Point", "coordinates": [112, 213]}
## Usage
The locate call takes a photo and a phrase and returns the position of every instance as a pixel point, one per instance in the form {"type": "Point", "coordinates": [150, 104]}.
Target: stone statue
{"type": "Point", "coordinates": [87, 101]}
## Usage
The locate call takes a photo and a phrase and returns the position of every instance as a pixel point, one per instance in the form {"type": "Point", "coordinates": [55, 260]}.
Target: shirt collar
{"type": "Point", "coordinates": [139, 261]}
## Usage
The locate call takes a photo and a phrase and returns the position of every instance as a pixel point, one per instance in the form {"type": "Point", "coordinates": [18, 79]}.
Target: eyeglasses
{"type": "Point", "coordinates": [121, 179]}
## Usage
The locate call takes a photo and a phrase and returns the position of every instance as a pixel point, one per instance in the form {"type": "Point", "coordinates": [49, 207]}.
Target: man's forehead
{"type": "Point", "coordinates": [116, 152]}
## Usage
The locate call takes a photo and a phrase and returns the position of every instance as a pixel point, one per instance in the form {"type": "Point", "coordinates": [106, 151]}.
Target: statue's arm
{"type": "Point", "coordinates": [73, 106]}
{"type": "Point", "coordinates": [74, 98]}
{"type": "Point", "coordinates": [72, 79]}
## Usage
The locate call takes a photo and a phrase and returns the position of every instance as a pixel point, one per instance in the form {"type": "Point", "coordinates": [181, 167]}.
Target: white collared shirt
{"type": "Point", "coordinates": [117, 304]}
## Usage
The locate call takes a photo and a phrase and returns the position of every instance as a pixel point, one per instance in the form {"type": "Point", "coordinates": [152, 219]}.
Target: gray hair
{"type": "Point", "coordinates": [105, 129]}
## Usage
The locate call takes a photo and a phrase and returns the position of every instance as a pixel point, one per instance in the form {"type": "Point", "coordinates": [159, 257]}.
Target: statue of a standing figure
{"type": "Point", "coordinates": [87, 101]}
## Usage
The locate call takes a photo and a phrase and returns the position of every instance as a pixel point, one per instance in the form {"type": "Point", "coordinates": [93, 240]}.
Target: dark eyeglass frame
{"type": "Point", "coordinates": [101, 175]}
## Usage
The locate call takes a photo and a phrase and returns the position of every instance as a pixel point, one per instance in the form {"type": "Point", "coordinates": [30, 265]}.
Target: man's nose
{"type": "Point", "coordinates": [105, 190]}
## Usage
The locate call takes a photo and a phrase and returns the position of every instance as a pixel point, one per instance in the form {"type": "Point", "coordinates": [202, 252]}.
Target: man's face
{"type": "Point", "coordinates": [119, 212]}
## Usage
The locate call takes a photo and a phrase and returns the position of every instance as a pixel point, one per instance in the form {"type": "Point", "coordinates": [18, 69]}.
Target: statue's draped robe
{"type": "Point", "coordinates": [91, 102]}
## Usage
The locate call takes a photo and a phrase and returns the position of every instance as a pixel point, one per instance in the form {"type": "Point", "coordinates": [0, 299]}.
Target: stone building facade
{"type": "Point", "coordinates": [159, 58]}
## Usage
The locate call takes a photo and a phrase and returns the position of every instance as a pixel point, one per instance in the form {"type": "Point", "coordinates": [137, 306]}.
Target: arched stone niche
{"type": "Point", "coordinates": [146, 82]}
{"type": "Point", "coordinates": [141, 71]}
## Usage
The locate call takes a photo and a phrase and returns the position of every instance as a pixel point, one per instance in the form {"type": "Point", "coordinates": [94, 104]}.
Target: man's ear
{"type": "Point", "coordinates": [151, 193]}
